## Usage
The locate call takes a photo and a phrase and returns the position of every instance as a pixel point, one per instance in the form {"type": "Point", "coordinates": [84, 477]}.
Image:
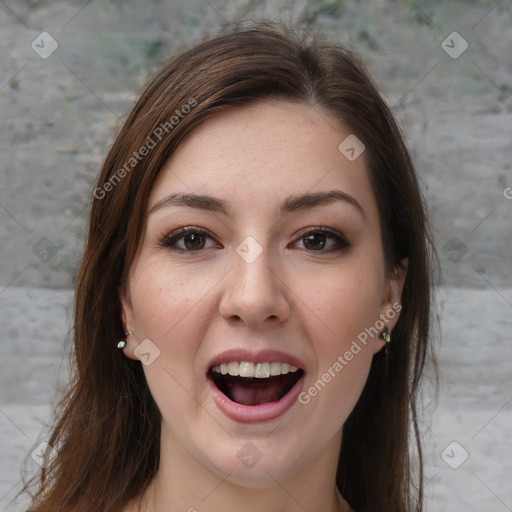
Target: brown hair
{"type": "Point", "coordinates": [108, 429]}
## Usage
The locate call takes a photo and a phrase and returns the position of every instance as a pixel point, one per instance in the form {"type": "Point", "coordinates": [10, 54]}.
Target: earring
{"type": "Point", "coordinates": [386, 336]}
{"type": "Point", "coordinates": [122, 343]}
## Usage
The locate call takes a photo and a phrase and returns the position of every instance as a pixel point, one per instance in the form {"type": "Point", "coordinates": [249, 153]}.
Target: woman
{"type": "Point", "coordinates": [258, 234]}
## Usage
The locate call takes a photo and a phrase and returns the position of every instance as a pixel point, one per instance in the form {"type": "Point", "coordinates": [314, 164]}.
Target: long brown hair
{"type": "Point", "coordinates": [107, 432]}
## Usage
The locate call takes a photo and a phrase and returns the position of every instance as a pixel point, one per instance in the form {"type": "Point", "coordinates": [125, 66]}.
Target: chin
{"type": "Point", "coordinates": [251, 467]}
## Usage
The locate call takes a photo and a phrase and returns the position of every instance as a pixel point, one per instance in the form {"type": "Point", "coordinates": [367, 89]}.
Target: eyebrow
{"type": "Point", "coordinates": [291, 204]}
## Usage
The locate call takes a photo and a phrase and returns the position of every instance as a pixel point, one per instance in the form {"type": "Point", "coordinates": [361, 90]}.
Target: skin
{"type": "Point", "coordinates": [296, 297]}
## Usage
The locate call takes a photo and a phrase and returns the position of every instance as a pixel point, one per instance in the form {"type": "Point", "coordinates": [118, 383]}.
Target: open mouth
{"type": "Point", "coordinates": [249, 383]}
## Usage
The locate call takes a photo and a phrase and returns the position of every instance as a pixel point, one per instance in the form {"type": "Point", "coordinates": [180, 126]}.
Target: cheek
{"type": "Point", "coordinates": [164, 299]}
{"type": "Point", "coordinates": [343, 304]}
{"type": "Point", "coordinates": [174, 313]}
{"type": "Point", "coordinates": [339, 306]}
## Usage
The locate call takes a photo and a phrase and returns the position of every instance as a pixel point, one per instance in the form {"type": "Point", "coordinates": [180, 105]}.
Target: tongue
{"type": "Point", "coordinates": [256, 391]}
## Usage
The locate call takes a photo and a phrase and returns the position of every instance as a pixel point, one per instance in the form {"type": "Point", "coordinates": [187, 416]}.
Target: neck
{"type": "Point", "coordinates": [185, 484]}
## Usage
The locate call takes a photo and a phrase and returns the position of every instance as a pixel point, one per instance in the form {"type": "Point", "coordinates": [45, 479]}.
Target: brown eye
{"type": "Point", "coordinates": [322, 240]}
{"type": "Point", "coordinates": [188, 240]}
{"type": "Point", "coordinates": [315, 242]}
{"type": "Point", "coordinates": [194, 242]}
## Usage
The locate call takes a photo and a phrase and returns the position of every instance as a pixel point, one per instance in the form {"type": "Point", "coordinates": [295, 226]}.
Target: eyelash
{"type": "Point", "coordinates": [341, 243]}
{"type": "Point", "coordinates": [171, 240]}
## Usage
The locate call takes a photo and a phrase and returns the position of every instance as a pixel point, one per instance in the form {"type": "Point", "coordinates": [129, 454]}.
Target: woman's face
{"type": "Point", "coordinates": [258, 291]}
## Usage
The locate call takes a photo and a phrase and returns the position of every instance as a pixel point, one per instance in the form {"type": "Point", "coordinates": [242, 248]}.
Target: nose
{"type": "Point", "coordinates": [255, 293]}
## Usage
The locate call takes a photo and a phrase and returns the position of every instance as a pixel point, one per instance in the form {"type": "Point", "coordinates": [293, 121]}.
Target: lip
{"type": "Point", "coordinates": [255, 413]}
{"type": "Point", "coordinates": [262, 412]}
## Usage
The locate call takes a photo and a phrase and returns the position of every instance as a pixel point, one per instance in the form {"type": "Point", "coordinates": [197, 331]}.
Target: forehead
{"type": "Point", "coordinates": [257, 154]}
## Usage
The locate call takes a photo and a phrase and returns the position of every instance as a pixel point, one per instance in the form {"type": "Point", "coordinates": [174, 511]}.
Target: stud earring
{"type": "Point", "coordinates": [122, 343]}
{"type": "Point", "coordinates": [386, 336]}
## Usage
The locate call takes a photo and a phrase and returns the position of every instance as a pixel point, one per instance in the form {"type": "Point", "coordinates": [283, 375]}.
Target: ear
{"type": "Point", "coordinates": [391, 304]}
{"type": "Point", "coordinates": [129, 324]}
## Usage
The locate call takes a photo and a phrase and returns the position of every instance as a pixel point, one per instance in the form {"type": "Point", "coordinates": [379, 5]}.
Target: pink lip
{"type": "Point", "coordinates": [255, 413]}
{"type": "Point", "coordinates": [255, 357]}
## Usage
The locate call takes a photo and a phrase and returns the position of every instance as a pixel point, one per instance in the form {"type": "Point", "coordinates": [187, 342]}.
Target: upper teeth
{"type": "Point", "coordinates": [259, 370]}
